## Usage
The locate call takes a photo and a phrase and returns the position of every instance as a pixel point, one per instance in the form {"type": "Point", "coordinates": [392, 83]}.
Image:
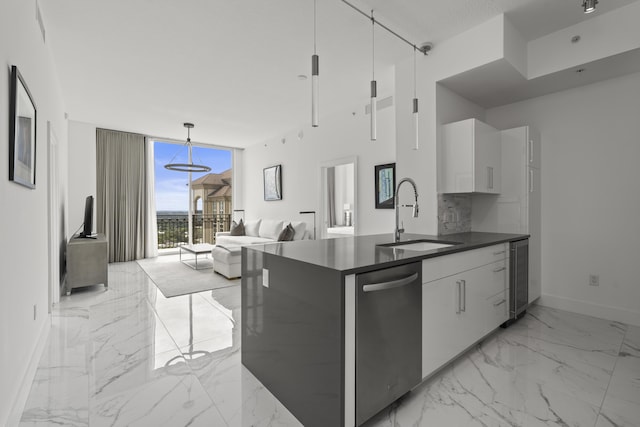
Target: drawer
{"type": "Point", "coordinates": [498, 277]}
{"type": "Point", "coordinates": [448, 265]}
{"type": "Point", "coordinates": [499, 308]}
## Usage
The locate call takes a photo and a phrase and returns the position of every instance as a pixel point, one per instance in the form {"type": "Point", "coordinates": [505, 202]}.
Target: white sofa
{"type": "Point", "coordinates": [227, 254]}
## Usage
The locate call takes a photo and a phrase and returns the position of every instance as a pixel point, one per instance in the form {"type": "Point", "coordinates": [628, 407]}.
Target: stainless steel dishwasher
{"type": "Point", "coordinates": [388, 337]}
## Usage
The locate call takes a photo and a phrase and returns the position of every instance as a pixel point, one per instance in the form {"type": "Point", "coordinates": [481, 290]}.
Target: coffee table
{"type": "Point", "coordinates": [197, 249]}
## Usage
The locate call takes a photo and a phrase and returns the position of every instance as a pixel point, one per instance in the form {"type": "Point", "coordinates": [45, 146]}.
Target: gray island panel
{"type": "Point", "coordinates": [292, 334]}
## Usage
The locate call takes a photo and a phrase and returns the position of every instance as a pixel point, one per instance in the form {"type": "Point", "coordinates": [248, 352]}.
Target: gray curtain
{"type": "Point", "coordinates": [121, 193]}
{"type": "Point", "coordinates": [331, 196]}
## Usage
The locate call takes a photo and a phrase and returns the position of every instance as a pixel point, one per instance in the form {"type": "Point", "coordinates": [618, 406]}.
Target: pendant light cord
{"type": "Point", "coordinates": [373, 46]}
{"type": "Point", "coordinates": [315, 35]}
{"type": "Point", "coordinates": [414, 73]}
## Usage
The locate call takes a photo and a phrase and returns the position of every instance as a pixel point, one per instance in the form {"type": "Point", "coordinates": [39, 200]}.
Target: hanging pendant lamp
{"type": "Point", "coordinates": [374, 84]}
{"type": "Point", "coordinates": [187, 167]}
{"type": "Point", "coordinates": [315, 77]}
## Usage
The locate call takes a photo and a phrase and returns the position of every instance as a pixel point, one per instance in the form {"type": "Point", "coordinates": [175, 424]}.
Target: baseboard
{"type": "Point", "coordinates": [590, 309]}
{"type": "Point", "coordinates": [25, 387]}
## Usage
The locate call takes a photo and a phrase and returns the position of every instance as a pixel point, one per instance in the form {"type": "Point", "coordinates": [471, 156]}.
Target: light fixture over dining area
{"type": "Point", "coordinates": [190, 166]}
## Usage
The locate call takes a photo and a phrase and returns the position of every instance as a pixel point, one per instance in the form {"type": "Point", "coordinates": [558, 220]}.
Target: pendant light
{"type": "Point", "coordinates": [589, 5]}
{"type": "Point", "coordinates": [416, 124]}
{"type": "Point", "coordinates": [187, 167]}
{"type": "Point", "coordinates": [374, 85]}
{"type": "Point", "coordinates": [315, 77]}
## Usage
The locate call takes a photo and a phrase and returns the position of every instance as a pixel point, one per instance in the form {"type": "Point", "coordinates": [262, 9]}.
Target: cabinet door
{"type": "Point", "coordinates": [456, 170]}
{"type": "Point", "coordinates": [533, 148]}
{"type": "Point", "coordinates": [443, 323]}
{"type": "Point", "coordinates": [487, 159]}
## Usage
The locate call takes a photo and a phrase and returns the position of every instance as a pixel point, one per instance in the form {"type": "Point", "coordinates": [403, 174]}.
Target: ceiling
{"type": "Point", "coordinates": [232, 67]}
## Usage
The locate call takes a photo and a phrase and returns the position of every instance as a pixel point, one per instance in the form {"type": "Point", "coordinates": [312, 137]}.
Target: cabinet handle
{"type": "Point", "coordinates": [389, 285]}
{"type": "Point", "coordinates": [490, 177]}
{"type": "Point", "coordinates": [464, 295]}
{"type": "Point", "coordinates": [498, 270]}
{"type": "Point", "coordinates": [495, 304]}
{"type": "Point", "coordinates": [530, 180]}
{"type": "Point", "coordinates": [530, 151]}
{"type": "Point", "coordinates": [459, 289]}
{"type": "Point", "coordinates": [498, 253]}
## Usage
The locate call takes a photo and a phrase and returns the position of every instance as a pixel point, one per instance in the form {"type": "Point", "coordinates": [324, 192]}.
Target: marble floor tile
{"type": "Point", "coordinates": [619, 413]}
{"type": "Point", "coordinates": [171, 400]}
{"type": "Point", "coordinates": [126, 355]}
{"type": "Point", "coordinates": [190, 319]}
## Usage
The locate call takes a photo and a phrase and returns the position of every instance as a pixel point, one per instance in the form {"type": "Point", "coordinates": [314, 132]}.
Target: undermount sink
{"type": "Point", "coordinates": [420, 245]}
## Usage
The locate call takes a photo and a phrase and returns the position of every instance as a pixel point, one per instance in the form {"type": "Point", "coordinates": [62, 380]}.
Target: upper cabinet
{"type": "Point", "coordinates": [470, 158]}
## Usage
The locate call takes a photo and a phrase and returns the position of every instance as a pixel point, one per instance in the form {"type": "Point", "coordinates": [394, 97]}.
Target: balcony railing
{"type": "Point", "coordinates": [172, 229]}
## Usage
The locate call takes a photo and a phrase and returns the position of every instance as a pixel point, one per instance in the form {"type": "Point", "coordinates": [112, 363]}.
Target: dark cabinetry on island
{"type": "Point", "coordinates": [338, 329]}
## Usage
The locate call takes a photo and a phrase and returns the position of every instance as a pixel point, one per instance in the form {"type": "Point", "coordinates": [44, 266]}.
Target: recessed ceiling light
{"type": "Point", "coordinates": [589, 6]}
{"type": "Point", "coordinates": [302, 77]}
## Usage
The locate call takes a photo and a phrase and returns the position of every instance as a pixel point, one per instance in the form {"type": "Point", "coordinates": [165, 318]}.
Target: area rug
{"type": "Point", "coordinates": [174, 278]}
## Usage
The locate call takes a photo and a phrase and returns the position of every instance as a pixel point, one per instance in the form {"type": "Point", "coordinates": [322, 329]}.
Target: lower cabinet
{"type": "Point", "coordinates": [460, 309]}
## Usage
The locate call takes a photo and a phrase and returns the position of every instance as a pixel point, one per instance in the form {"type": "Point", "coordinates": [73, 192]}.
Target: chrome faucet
{"type": "Point", "coordinates": [399, 230]}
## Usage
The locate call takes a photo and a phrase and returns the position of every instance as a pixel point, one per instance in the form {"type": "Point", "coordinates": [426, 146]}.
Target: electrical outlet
{"type": "Point", "coordinates": [35, 311]}
{"type": "Point", "coordinates": [594, 280]}
{"type": "Point", "coordinates": [265, 277]}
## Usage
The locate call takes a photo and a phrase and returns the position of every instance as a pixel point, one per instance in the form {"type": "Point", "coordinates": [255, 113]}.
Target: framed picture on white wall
{"type": "Point", "coordinates": [272, 183]}
{"type": "Point", "coordinates": [385, 185]}
{"type": "Point", "coordinates": [22, 132]}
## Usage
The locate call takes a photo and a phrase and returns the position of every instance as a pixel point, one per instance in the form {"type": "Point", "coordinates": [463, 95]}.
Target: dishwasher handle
{"type": "Point", "coordinates": [381, 286]}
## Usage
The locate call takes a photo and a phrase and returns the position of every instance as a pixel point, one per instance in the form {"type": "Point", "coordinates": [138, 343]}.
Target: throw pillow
{"type": "Point", "coordinates": [237, 229]}
{"type": "Point", "coordinates": [251, 227]}
{"type": "Point", "coordinates": [287, 233]}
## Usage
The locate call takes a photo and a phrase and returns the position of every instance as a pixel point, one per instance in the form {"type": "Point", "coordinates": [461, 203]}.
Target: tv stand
{"type": "Point", "coordinates": [87, 261]}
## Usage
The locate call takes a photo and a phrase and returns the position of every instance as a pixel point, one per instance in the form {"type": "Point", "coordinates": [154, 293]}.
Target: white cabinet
{"type": "Point", "coordinates": [462, 307]}
{"type": "Point", "coordinates": [470, 158]}
{"type": "Point", "coordinates": [518, 207]}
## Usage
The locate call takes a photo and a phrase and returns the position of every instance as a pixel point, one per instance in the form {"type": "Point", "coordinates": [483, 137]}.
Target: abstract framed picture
{"type": "Point", "coordinates": [385, 185]}
{"type": "Point", "coordinates": [22, 132]}
{"type": "Point", "coordinates": [272, 183]}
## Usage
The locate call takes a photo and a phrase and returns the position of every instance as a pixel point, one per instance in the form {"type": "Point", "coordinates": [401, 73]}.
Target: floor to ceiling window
{"type": "Point", "coordinates": [212, 202]}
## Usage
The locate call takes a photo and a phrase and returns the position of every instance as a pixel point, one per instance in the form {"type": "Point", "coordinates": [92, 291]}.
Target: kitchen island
{"type": "Point", "coordinates": [308, 336]}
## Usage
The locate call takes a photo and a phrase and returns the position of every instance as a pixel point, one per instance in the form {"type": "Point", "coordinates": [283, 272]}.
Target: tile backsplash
{"type": "Point", "coordinates": [454, 213]}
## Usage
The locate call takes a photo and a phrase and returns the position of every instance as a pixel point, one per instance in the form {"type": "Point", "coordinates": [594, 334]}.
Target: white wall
{"type": "Point", "coordinates": [82, 171]}
{"type": "Point", "coordinates": [339, 135]}
{"type": "Point", "coordinates": [590, 197]}
{"type": "Point", "coordinates": [24, 218]}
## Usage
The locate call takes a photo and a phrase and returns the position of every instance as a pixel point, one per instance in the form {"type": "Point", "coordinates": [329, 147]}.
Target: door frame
{"type": "Point", "coordinates": [322, 220]}
{"type": "Point", "coordinates": [53, 196]}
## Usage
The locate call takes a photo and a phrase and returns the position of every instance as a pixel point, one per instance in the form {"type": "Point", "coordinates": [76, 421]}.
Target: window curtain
{"type": "Point", "coordinates": [122, 193]}
{"type": "Point", "coordinates": [151, 223]}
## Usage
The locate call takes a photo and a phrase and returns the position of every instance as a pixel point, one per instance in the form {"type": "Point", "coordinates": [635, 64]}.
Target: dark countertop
{"type": "Point", "coordinates": [358, 254]}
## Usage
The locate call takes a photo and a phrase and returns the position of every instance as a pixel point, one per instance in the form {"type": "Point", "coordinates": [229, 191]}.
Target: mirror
{"type": "Point", "coordinates": [338, 198]}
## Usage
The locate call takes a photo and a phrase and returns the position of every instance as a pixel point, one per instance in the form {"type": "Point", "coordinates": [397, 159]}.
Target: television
{"type": "Point", "coordinates": [88, 218]}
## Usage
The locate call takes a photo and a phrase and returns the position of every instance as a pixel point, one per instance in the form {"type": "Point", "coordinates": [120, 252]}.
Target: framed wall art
{"type": "Point", "coordinates": [22, 132]}
{"type": "Point", "coordinates": [272, 183]}
{"type": "Point", "coordinates": [385, 185]}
